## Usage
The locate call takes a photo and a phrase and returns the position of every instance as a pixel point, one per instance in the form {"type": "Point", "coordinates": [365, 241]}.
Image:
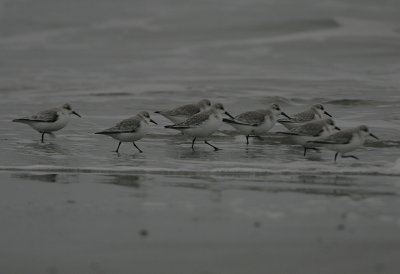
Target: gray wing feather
{"type": "Point", "coordinates": [186, 110]}
{"type": "Point", "coordinates": [341, 137]}
{"type": "Point", "coordinates": [127, 125]}
{"type": "Point", "coordinates": [43, 116]}
{"type": "Point", "coordinates": [310, 129]}
{"type": "Point", "coordinates": [251, 117]}
{"type": "Point", "coordinates": [303, 116]}
{"type": "Point", "coordinates": [195, 120]}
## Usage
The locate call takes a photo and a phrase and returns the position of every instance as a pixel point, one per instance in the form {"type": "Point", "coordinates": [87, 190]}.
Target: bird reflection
{"type": "Point", "coordinates": [124, 180]}
{"type": "Point", "coordinates": [48, 178]}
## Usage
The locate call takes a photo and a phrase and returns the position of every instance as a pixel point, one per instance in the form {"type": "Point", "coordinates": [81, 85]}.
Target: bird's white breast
{"type": "Point", "coordinates": [48, 127]}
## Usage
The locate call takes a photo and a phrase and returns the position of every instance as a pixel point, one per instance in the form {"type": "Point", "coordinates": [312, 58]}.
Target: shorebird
{"type": "Point", "coordinates": [50, 120]}
{"type": "Point", "coordinates": [315, 112]}
{"type": "Point", "coordinates": [256, 122]}
{"type": "Point", "coordinates": [312, 131]}
{"type": "Point", "coordinates": [345, 141]}
{"type": "Point", "coordinates": [202, 124]}
{"type": "Point", "coordinates": [130, 130]}
{"type": "Point", "coordinates": [182, 113]}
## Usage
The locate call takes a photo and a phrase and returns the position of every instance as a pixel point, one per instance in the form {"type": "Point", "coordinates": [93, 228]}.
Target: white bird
{"type": "Point", "coordinates": [312, 131]}
{"type": "Point", "coordinates": [315, 112]}
{"type": "Point", "coordinates": [130, 130]}
{"type": "Point", "coordinates": [345, 141]}
{"type": "Point", "coordinates": [256, 122]}
{"type": "Point", "coordinates": [202, 124]}
{"type": "Point", "coordinates": [50, 120]}
{"type": "Point", "coordinates": [182, 113]}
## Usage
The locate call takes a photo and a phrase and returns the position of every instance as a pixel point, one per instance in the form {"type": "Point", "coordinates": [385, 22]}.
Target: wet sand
{"type": "Point", "coordinates": [100, 223]}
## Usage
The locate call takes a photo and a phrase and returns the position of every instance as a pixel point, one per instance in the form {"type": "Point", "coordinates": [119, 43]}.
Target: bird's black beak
{"type": "Point", "coordinates": [153, 122]}
{"type": "Point", "coordinates": [230, 116]}
{"type": "Point", "coordinates": [326, 113]}
{"type": "Point", "coordinates": [75, 113]}
{"type": "Point", "coordinates": [337, 128]}
{"type": "Point", "coordinates": [287, 116]}
{"type": "Point", "coordinates": [372, 135]}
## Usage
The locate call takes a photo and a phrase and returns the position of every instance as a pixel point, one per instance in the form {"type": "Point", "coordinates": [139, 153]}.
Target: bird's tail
{"type": "Point", "coordinates": [286, 133]}
{"type": "Point", "coordinates": [176, 127]}
{"type": "Point", "coordinates": [102, 133]}
{"type": "Point", "coordinates": [282, 121]}
{"type": "Point", "coordinates": [21, 120]}
{"type": "Point", "coordinates": [230, 121]}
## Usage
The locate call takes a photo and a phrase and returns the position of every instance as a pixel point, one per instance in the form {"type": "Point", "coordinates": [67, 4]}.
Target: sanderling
{"type": "Point", "coordinates": [202, 124]}
{"type": "Point", "coordinates": [256, 122]}
{"type": "Point", "coordinates": [50, 120]}
{"type": "Point", "coordinates": [312, 131]}
{"type": "Point", "coordinates": [315, 112]}
{"type": "Point", "coordinates": [182, 113]}
{"type": "Point", "coordinates": [130, 130]}
{"type": "Point", "coordinates": [345, 141]}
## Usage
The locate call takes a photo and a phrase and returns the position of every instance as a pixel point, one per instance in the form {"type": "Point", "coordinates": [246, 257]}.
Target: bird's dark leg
{"type": "Point", "coordinates": [350, 156]}
{"type": "Point", "coordinates": [137, 147]}
{"type": "Point", "coordinates": [118, 147]}
{"type": "Point", "coordinates": [43, 137]}
{"type": "Point", "coordinates": [214, 147]}
{"type": "Point", "coordinates": [194, 139]}
{"type": "Point", "coordinates": [247, 139]}
{"type": "Point", "coordinates": [337, 153]}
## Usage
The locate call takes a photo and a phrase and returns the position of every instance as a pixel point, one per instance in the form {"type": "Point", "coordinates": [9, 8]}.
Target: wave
{"type": "Point", "coordinates": [45, 35]}
{"type": "Point", "coordinates": [295, 168]}
{"type": "Point", "coordinates": [340, 102]}
{"type": "Point", "coordinates": [290, 26]}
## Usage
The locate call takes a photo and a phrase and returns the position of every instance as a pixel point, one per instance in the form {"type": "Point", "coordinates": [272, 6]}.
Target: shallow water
{"type": "Point", "coordinates": [242, 209]}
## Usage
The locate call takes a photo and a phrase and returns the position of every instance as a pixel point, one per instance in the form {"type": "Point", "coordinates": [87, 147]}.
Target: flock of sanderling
{"type": "Point", "coordinates": [309, 128]}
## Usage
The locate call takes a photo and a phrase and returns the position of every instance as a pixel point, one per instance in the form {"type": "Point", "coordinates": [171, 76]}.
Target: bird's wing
{"type": "Point", "coordinates": [47, 116]}
{"type": "Point", "coordinates": [341, 137]}
{"type": "Point", "coordinates": [252, 118]}
{"type": "Point", "coordinates": [309, 129]}
{"type": "Point", "coordinates": [303, 116]}
{"type": "Point", "coordinates": [194, 121]}
{"type": "Point", "coordinates": [186, 110]}
{"type": "Point", "coordinates": [125, 126]}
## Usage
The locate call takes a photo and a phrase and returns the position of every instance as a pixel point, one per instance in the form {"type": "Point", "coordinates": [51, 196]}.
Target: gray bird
{"type": "Point", "coordinates": [130, 130]}
{"type": "Point", "coordinates": [312, 131]}
{"type": "Point", "coordinates": [47, 121]}
{"type": "Point", "coordinates": [315, 112]}
{"type": "Point", "coordinates": [202, 124]}
{"type": "Point", "coordinates": [256, 122]}
{"type": "Point", "coordinates": [182, 113]}
{"type": "Point", "coordinates": [345, 141]}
